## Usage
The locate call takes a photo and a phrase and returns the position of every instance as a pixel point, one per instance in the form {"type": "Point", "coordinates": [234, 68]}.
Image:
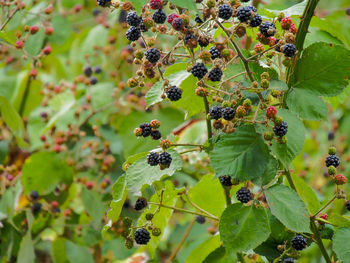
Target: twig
{"type": "Point", "coordinates": [206, 105]}
{"type": "Point", "coordinates": [196, 206]}
{"type": "Point", "coordinates": [319, 241]}
{"type": "Point", "coordinates": [325, 206]}
{"type": "Point", "coordinates": [9, 18]}
{"type": "Point", "coordinates": [191, 150]}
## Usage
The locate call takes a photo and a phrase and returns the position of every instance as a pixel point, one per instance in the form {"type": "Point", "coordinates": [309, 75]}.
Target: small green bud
{"type": "Point", "coordinates": [127, 221]}
{"type": "Point", "coordinates": [283, 140]}
{"type": "Point", "coordinates": [129, 243]}
{"type": "Point", "coordinates": [149, 216]}
{"type": "Point", "coordinates": [226, 103]}
{"type": "Point", "coordinates": [332, 170]}
{"type": "Point", "coordinates": [210, 3]}
{"type": "Point", "coordinates": [265, 75]}
{"type": "Point", "coordinates": [268, 136]}
{"type": "Point", "coordinates": [332, 150]}
{"type": "Point", "coordinates": [264, 83]}
{"type": "Point", "coordinates": [278, 120]}
{"type": "Point", "coordinates": [247, 103]}
{"type": "Point", "coordinates": [156, 231]}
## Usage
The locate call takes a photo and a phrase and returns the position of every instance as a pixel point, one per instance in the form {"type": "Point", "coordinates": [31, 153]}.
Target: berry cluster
{"type": "Point", "coordinates": [149, 129]}
{"type": "Point", "coordinates": [164, 159]}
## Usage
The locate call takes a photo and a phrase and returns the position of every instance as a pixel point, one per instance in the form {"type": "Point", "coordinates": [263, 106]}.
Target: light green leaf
{"type": "Point", "coordinates": [339, 220]}
{"type": "Point", "coordinates": [307, 194]}
{"type": "Point", "coordinates": [119, 196]}
{"type": "Point", "coordinates": [286, 205]}
{"type": "Point", "coordinates": [162, 217]}
{"type": "Point", "coordinates": [42, 172]}
{"type": "Point", "coordinates": [96, 37]}
{"type": "Point", "coordinates": [77, 253]}
{"type": "Point", "coordinates": [59, 251]}
{"type": "Point", "coordinates": [141, 173]}
{"type": "Point", "coordinates": [278, 85]}
{"type": "Point", "coordinates": [296, 136]}
{"type": "Point", "coordinates": [208, 194]}
{"type": "Point", "coordinates": [307, 105]}
{"type": "Point", "coordinates": [341, 241]}
{"type": "Point", "coordinates": [200, 253]}
{"type": "Point", "coordinates": [26, 250]}
{"type": "Point", "coordinates": [93, 204]}
{"type": "Point", "coordinates": [243, 227]}
{"type": "Point", "coordinates": [242, 154]}
{"type": "Point", "coordinates": [185, 4]}
{"type": "Point", "coordinates": [154, 95]}
{"type": "Point", "coordinates": [323, 69]}
{"type": "Point", "coordinates": [11, 118]}
{"type": "Point", "coordinates": [7, 37]}
{"type": "Point", "coordinates": [33, 45]}
{"type": "Point", "coordinates": [295, 10]}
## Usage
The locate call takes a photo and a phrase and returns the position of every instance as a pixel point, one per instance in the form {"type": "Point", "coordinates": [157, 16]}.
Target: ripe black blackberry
{"type": "Point", "coordinates": [278, 48]}
{"type": "Point", "coordinates": [289, 50]}
{"type": "Point", "coordinates": [198, 20]}
{"type": "Point", "coordinates": [142, 26]}
{"type": "Point", "coordinates": [215, 53]}
{"type": "Point", "coordinates": [199, 70]}
{"type": "Point", "coordinates": [225, 180]}
{"type": "Point", "coordinates": [174, 93]}
{"type": "Point", "coordinates": [244, 14]}
{"type": "Point", "coordinates": [298, 242]}
{"type": "Point", "coordinates": [152, 55]}
{"type": "Point", "coordinates": [244, 195]}
{"type": "Point", "coordinates": [332, 160]}
{"type": "Point", "coordinates": [347, 204]}
{"type": "Point", "coordinates": [215, 74]}
{"type": "Point", "coordinates": [140, 204]}
{"type": "Point", "coordinates": [159, 17]}
{"type": "Point", "coordinates": [288, 260]}
{"type": "Point", "coordinates": [281, 130]}
{"type": "Point", "coordinates": [142, 236]}
{"type": "Point", "coordinates": [203, 41]}
{"type": "Point", "coordinates": [200, 219]}
{"type": "Point", "coordinates": [36, 208]}
{"type": "Point", "coordinates": [87, 71]}
{"type": "Point", "coordinates": [93, 80]}
{"type": "Point", "coordinates": [256, 20]}
{"type": "Point", "coordinates": [34, 195]}
{"type": "Point", "coordinates": [252, 8]}
{"type": "Point", "coordinates": [97, 70]}
{"type": "Point", "coordinates": [156, 135]}
{"type": "Point", "coordinates": [133, 19]}
{"type": "Point", "coordinates": [165, 159]}
{"type": "Point", "coordinates": [225, 12]}
{"type": "Point", "coordinates": [153, 159]}
{"type": "Point", "coordinates": [146, 129]}
{"type": "Point", "coordinates": [178, 24]}
{"type": "Point", "coordinates": [103, 3]}
{"type": "Point", "coordinates": [228, 113]}
{"type": "Point", "coordinates": [268, 29]}
{"type": "Point", "coordinates": [215, 112]}
{"type": "Point", "coordinates": [133, 33]}
{"type": "Point", "coordinates": [191, 41]}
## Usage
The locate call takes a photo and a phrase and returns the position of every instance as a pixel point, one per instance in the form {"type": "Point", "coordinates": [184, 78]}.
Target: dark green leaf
{"type": "Point", "coordinates": [341, 241]}
{"type": "Point", "coordinates": [93, 204]}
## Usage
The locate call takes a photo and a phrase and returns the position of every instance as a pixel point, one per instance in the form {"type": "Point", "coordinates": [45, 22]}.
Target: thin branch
{"type": "Point", "coordinates": [206, 105]}
{"type": "Point", "coordinates": [319, 241]}
{"type": "Point", "coordinates": [9, 18]}
{"type": "Point", "coordinates": [196, 206]}
{"type": "Point", "coordinates": [325, 206]}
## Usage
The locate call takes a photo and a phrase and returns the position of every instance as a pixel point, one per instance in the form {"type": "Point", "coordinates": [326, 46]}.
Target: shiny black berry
{"type": "Point", "coordinates": [103, 3]}
{"type": "Point", "coordinates": [215, 112]}
{"type": "Point", "coordinates": [332, 160]}
{"type": "Point", "coordinates": [153, 159]}
{"type": "Point", "coordinates": [174, 93]}
{"type": "Point", "coordinates": [146, 129]}
{"type": "Point", "coordinates": [198, 20]}
{"type": "Point", "coordinates": [203, 42]}
{"type": "Point", "coordinates": [88, 71]}
{"type": "Point", "coordinates": [268, 29]}
{"type": "Point", "coordinates": [289, 50]}
{"type": "Point", "coordinates": [244, 14]}
{"type": "Point", "coordinates": [228, 113]}
{"type": "Point", "coordinates": [133, 19]}
{"type": "Point", "coordinates": [281, 130]}
{"type": "Point", "coordinates": [199, 70]}
{"type": "Point", "coordinates": [225, 180]}
{"type": "Point", "coordinates": [165, 159]}
{"type": "Point", "coordinates": [156, 135]}
{"type": "Point", "coordinates": [225, 12]}
{"type": "Point", "coordinates": [200, 219]}
{"type": "Point", "coordinates": [244, 1]}
{"type": "Point", "coordinates": [215, 74]}
{"type": "Point", "coordinates": [159, 17]}
{"type": "Point", "coordinates": [215, 53]}
{"type": "Point", "coordinates": [133, 33]}
{"type": "Point", "coordinates": [299, 242]}
{"type": "Point", "coordinates": [152, 55]}
{"type": "Point", "coordinates": [142, 236]}
{"type": "Point", "coordinates": [34, 195]}
{"type": "Point", "coordinates": [140, 204]}
{"type": "Point", "coordinates": [256, 20]}
{"type": "Point", "coordinates": [97, 70]}
{"type": "Point", "coordinates": [347, 204]}
{"type": "Point", "coordinates": [244, 195]}
{"type": "Point", "coordinates": [93, 80]}
{"type": "Point", "coordinates": [36, 208]}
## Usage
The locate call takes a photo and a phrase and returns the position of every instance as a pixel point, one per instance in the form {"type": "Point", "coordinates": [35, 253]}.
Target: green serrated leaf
{"type": "Point", "coordinates": [243, 227]}
{"type": "Point", "coordinates": [200, 253]}
{"type": "Point", "coordinates": [295, 10]}
{"type": "Point", "coordinates": [77, 253]}
{"type": "Point", "coordinates": [296, 136]}
{"type": "Point", "coordinates": [323, 69]}
{"type": "Point", "coordinates": [93, 204]}
{"type": "Point", "coordinates": [269, 173]}
{"type": "Point", "coordinates": [341, 240]}
{"type": "Point", "coordinates": [286, 205]}
{"type": "Point", "coordinates": [209, 195]}
{"type": "Point", "coordinates": [242, 154]}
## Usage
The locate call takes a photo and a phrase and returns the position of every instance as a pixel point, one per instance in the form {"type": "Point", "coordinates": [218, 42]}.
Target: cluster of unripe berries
{"type": "Point", "coordinates": [280, 128]}
{"type": "Point", "coordinates": [149, 129]}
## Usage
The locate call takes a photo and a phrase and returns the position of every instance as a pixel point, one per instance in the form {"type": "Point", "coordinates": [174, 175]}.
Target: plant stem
{"type": "Point", "coordinates": [197, 207]}
{"type": "Point", "coordinates": [9, 18]}
{"type": "Point", "coordinates": [319, 241]}
{"type": "Point", "coordinates": [191, 150]}
{"type": "Point", "coordinates": [186, 144]}
{"type": "Point", "coordinates": [182, 241]}
{"type": "Point", "coordinates": [325, 206]}
{"type": "Point", "coordinates": [290, 180]}
{"type": "Point", "coordinates": [184, 210]}
{"type": "Point", "coordinates": [206, 105]}
{"type": "Point", "coordinates": [25, 96]}
{"type": "Point", "coordinates": [240, 257]}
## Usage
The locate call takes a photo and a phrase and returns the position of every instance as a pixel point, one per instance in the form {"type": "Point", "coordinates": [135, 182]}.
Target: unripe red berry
{"type": "Point", "coordinates": [89, 185]}
{"type": "Point", "coordinates": [19, 44]}
{"type": "Point", "coordinates": [340, 179]}
{"type": "Point", "coordinates": [49, 31]}
{"type": "Point", "coordinates": [156, 4]}
{"type": "Point", "coordinates": [324, 216]}
{"type": "Point", "coordinates": [171, 17]}
{"type": "Point", "coordinates": [48, 10]}
{"type": "Point", "coordinates": [293, 28]}
{"type": "Point", "coordinates": [43, 138]}
{"type": "Point", "coordinates": [155, 124]}
{"type": "Point", "coordinates": [259, 48]}
{"type": "Point", "coordinates": [57, 148]}
{"type": "Point", "coordinates": [271, 112]}
{"type": "Point", "coordinates": [54, 204]}
{"type": "Point", "coordinates": [77, 8]}
{"type": "Point", "coordinates": [47, 50]}
{"type": "Point", "coordinates": [33, 73]}
{"type": "Point", "coordinates": [241, 111]}
{"type": "Point", "coordinates": [286, 23]}
{"type": "Point", "coordinates": [34, 29]}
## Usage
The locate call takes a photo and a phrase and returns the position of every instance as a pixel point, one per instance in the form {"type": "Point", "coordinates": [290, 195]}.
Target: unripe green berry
{"type": "Point", "coordinates": [264, 83]}
{"type": "Point", "coordinates": [127, 221]}
{"type": "Point", "coordinates": [149, 216]}
{"type": "Point", "coordinates": [283, 140]}
{"type": "Point", "coordinates": [265, 75]}
{"type": "Point", "coordinates": [247, 103]}
{"type": "Point", "coordinates": [156, 231]}
{"type": "Point", "coordinates": [138, 132]}
{"type": "Point", "coordinates": [332, 150]}
{"type": "Point", "coordinates": [268, 136]}
{"type": "Point", "coordinates": [226, 104]}
{"type": "Point", "coordinates": [139, 54]}
{"type": "Point", "coordinates": [332, 170]}
{"type": "Point", "coordinates": [226, 53]}
{"type": "Point", "coordinates": [278, 120]}
{"type": "Point", "coordinates": [129, 243]}
{"type": "Point", "coordinates": [155, 124]}
{"type": "Point", "coordinates": [280, 16]}
{"type": "Point", "coordinates": [210, 3]}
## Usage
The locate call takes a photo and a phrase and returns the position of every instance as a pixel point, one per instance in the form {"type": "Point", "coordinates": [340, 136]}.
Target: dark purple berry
{"type": "Point", "coordinates": [244, 195]}
{"type": "Point", "coordinates": [299, 242]}
{"type": "Point", "coordinates": [215, 112]}
{"type": "Point", "coordinates": [142, 236]}
{"type": "Point", "coordinates": [153, 159]}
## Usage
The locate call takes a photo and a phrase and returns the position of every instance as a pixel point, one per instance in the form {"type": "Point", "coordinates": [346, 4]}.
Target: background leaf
{"type": "Point", "coordinates": [341, 246]}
